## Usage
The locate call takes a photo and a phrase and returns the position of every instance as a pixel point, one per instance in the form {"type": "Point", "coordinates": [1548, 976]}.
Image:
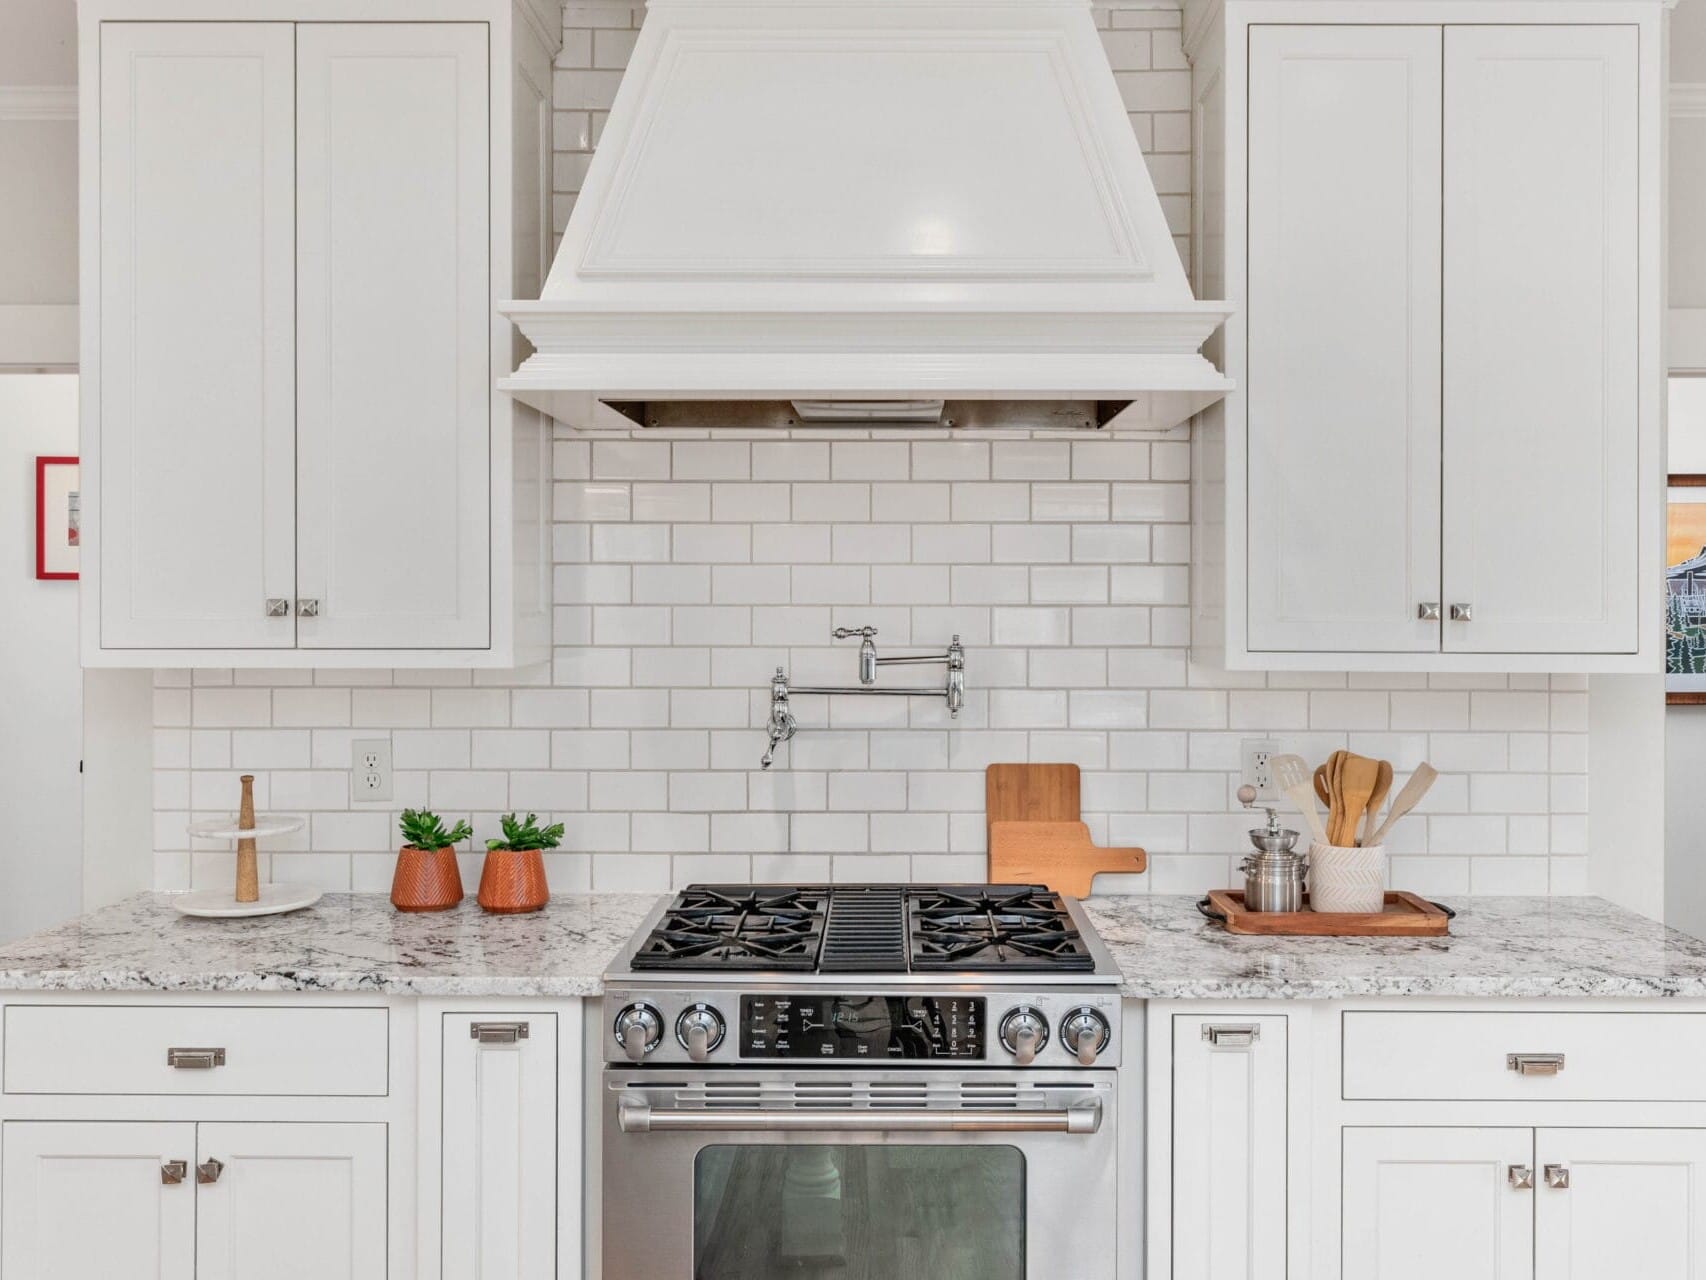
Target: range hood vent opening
{"type": "Point", "coordinates": [958, 416]}
{"type": "Point", "coordinates": [737, 240]}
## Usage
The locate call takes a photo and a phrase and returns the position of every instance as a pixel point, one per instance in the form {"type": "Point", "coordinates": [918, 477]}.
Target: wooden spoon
{"type": "Point", "coordinates": [1357, 778]}
{"type": "Point", "coordinates": [1382, 785]}
{"type": "Point", "coordinates": [1408, 798]}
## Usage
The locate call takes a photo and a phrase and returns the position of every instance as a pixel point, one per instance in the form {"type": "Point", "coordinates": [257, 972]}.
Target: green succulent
{"type": "Point", "coordinates": [425, 830]}
{"type": "Point", "coordinates": [527, 835]}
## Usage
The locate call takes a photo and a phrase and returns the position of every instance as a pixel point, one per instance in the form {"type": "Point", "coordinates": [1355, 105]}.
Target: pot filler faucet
{"type": "Point", "coordinates": [782, 725]}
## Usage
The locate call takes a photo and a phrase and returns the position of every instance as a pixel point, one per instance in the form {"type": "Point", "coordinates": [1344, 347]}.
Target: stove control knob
{"type": "Point", "coordinates": [1085, 1032]}
{"type": "Point", "coordinates": [639, 1029]}
{"type": "Point", "coordinates": [700, 1030]}
{"type": "Point", "coordinates": [1024, 1031]}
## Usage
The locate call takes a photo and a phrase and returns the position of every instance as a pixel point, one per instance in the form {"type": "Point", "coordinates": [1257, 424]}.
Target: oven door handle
{"type": "Point", "coordinates": [636, 1116]}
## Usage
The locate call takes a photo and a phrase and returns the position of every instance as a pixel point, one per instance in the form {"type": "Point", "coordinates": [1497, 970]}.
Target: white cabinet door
{"type": "Point", "coordinates": [1344, 347]}
{"type": "Point", "coordinates": [1541, 324]}
{"type": "Point", "coordinates": [290, 1201]}
{"type": "Point", "coordinates": [1634, 1204]}
{"type": "Point", "coordinates": [1421, 1204]}
{"type": "Point", "coordinates": [196, 394]}
{"type": "Point", "coordinates": [92, 1199]}
{"type": "Point", "coordinates": [498, 1186]}
{"type": "Point", "coordinates": [1229, 1148]}
{"type": "Point", "coordinates": [394, 335]}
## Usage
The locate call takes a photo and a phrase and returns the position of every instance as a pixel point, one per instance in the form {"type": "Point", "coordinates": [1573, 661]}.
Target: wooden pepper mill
{"type": "Point", "coordinates": [248, 865]}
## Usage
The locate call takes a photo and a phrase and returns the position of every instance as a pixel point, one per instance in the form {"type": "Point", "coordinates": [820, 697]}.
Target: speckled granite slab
{"type": "Point", "coordinates": [1514, 947]}
{"type": "Point", "coordinates": [345, 942]}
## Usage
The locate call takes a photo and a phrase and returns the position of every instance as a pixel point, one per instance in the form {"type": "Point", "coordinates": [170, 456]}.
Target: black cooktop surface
{"type": "Point", "coordinates": [866, 929]}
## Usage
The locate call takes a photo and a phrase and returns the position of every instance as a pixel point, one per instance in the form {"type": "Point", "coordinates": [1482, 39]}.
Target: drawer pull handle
{"type": "Point", "coordinates": [1535, 1064]}
{"type": "Point", "coordinates": [1557, 1176]}
{"type": "Point", "coordinates": [1521, 1177]}
{"type": "Point", "coordinates": [195, 1059]}
{"type": "Point", "coordinates": [1241, 1036]}
{"type": "Point", "coordinates": [173, 1172]}
{"type": "Point", "coordinates": [497, 1032]}
{"type": "Point", "coordinates": [209, 1170]}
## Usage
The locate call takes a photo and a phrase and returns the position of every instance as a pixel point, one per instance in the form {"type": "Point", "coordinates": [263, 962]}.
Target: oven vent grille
{"type": "Point", "coordinates": [865, 931]}
{"type": "Point", "coordinates": [862, 1095]}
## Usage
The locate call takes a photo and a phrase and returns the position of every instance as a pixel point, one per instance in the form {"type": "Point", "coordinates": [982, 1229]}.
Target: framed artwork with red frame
{"type": "Point", "coordinates": [58, 517]}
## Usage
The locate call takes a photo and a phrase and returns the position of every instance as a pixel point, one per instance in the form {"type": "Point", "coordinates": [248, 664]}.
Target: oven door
{"type": "Point", "coordinates": [873, 1175]}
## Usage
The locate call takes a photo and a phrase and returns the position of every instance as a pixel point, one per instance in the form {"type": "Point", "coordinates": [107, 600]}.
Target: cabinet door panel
{"type": "Point", "coordinates": [394, 335]}
{"type": "Point", "coordinates": [196, 470]}
{"type": "Point", "coordinates": [1343, 367]}
{"type": "Point", "coordinates": [1541, 324]}
{"type": "Point", "coordinates": [1421, 1204]}
{"type": "Point", "coordinates": [1635, 1204]}
{"type": "Point", "coordinates": [292, 1200]}
{"type": "Point", "coordinates": [1229, 1151]}
{"type": "Point", "coordinates": [498, 1204]}
{"type": "Point", "coordinates": [83, 1200]}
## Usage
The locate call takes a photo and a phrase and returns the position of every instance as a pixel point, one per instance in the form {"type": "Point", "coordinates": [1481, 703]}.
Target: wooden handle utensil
{"type": "Point", "coordinates": [248, 864]}
{"type": "Point", "coordinates": [1408, 799]}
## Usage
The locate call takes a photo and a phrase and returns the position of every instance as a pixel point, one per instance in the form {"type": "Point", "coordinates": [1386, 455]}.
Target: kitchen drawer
{"type": "Point", "coordinates": [118, 1049]}
{"type": "Point", "coordinates": [1613, 1057]}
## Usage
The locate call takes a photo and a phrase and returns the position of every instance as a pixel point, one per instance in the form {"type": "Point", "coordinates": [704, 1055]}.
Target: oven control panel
{"type": "Point", "coordinates": [878, 1028]}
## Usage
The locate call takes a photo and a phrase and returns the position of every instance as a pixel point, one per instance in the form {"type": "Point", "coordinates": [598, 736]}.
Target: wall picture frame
{"type": "Point", "coordinates": [58, 517]}
{"type": "Point", "coordinates": [1685, 588]}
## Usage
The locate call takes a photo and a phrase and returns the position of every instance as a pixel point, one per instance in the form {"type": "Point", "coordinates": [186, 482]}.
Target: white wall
{"type": "Point", "coordinates": [40, 682]}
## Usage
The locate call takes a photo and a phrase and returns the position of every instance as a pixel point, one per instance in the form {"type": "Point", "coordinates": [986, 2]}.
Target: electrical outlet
{"type": "Point", "coordinates": [370, 769]}
{"type": "Point", "coordinates": [1257, 770]}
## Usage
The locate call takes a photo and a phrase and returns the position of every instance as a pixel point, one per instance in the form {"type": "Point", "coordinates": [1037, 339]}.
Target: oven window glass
{"type": "Point", "coordinates": [859, 1212]}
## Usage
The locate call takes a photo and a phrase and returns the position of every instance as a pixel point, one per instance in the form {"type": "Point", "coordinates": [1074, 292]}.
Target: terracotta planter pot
{"type": "Point", "coordinates": [513, 881]}
{"type": "Point", "coordinates": [426, 879]}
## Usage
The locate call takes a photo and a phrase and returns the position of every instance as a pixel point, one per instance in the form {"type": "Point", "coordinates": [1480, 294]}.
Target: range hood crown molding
{"type": "Point", "coordinates": [868, 199]}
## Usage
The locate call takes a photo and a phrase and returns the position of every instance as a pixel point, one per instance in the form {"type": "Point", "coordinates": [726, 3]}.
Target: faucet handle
{"type": "Point", "coordinates": [848, 633]}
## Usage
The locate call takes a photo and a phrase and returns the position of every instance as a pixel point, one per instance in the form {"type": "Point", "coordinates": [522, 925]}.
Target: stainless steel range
{"type": "Point", "coordinates": [861, 1082]}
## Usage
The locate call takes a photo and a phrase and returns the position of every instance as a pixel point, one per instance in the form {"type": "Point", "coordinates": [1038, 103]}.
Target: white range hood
{"type": "Point", "coordinates": [837, 202]}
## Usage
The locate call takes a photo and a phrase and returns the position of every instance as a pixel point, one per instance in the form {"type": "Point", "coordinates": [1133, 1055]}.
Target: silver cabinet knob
{"type": "Point", "coordinates": [638, 1029]}
{"type": "Point", "coordinates": [173, 1172]}
{"type": "Point", "coordinates": [1023, 1033]}
{"type": "Point", "coordinates": [278, 607]}
{"type": "Point", "coordinates": [307, 608]}
{"type": "Point", "coordinates": [1462, 613]}
{"type": "Point", "coordinates": [1085, 1032]}
{"type": "Point", "coordinates": [1557, 1176]}
{"type": "Point", "coordinates": [1521, 1177]}
{"type": "Point", "coordinates": [1428, 611]}
{"type": "Point", "coordinates": [700, 1030]}
{"type": "Point", "coordinates": [208, 1171]}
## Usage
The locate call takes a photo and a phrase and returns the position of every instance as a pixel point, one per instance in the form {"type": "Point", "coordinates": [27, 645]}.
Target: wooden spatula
{"type": "Point", "coordinates": [1357, 778]}
{"type": "Point", "coordinates": [1408, 799]}
{"type": "Point", "coordinates": [1291, 774]}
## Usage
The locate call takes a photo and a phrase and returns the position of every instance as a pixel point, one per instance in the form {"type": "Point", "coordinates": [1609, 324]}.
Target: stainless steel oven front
{"type": "Point", "coordinates": [866, 1174]}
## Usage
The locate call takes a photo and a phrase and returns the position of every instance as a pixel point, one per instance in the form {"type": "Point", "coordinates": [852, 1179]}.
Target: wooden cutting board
{"type": "Point", "coordinates": [1058, 854]}
{"type": "Point", "coordinates": [1030, 793]}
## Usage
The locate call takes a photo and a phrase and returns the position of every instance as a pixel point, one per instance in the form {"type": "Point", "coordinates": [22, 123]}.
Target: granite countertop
{"type": "Point", "coordinates": [1513, 947]}
{"type": "Point", "coordinates": [344, 942]}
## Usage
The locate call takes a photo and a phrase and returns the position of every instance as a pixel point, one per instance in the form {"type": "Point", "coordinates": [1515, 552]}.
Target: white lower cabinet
{"type": "Point", "coordinates": [1421, 1203]}
{"type": "Point", "coordinates": [1620, 1202]}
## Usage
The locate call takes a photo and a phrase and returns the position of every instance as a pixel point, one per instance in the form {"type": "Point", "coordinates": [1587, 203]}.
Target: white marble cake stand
{"type": "Point", "coordinates": [221, 904]}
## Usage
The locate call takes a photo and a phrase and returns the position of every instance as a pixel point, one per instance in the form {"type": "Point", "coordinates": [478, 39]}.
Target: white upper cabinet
{"type": "Point", "coordinates": [1443, 453]}
{"type": "Point", "coordinates": [193, 421]}
{"type": "Point", "coordinates": [393, 453]}
{"type": "Point", "coordinates": [295, 452]}
{"type": "Point", "coordinates": [1344, 223]}
{"type": "Point", "coordinates": [1542, 312]}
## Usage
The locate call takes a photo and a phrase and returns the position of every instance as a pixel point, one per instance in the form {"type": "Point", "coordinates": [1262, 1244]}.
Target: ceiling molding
{"type": "Point", "coordinates": [1688, 98]}
{"type": "Point", "coordinates": [38, 102]}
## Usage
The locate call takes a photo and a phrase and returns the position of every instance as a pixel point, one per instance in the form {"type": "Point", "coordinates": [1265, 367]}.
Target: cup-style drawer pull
{"type": "Point", "coordinates": [1535, 1064]}
{"type": "Point", "coordinates": [195, 1059]}
{"type": "Point", "coordinates": [1521, 1177]}
{"type": "Point", "coordinates": [173, 1172]}
{"type": "Point", "coordinates": [1231, 1037]}
{"type": "Point", "coordinates": [497, 1032]}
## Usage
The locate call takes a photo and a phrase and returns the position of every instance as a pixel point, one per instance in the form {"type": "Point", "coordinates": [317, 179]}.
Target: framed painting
{"type": "Point", "coordinates": [59, 518]}
{"type": "Point", "coordinates": [1685, 589]}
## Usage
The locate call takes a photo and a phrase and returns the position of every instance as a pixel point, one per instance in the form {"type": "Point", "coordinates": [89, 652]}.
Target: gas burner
{"type": "Point", "coordinates": [993, 928]}
{"type": "Point", "coordinates": [737, 927]}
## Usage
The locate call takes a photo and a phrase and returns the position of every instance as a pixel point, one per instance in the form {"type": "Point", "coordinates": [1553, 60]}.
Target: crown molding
{"type": "Point", "coordinates": [38, 102]}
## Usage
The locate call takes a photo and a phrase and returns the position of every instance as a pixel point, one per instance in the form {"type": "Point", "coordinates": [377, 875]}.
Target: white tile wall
{"type": "Point", "coordinates": [689, 569]}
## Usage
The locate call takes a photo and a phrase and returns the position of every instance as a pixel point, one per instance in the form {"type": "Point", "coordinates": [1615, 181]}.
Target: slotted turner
{"type": "Point", "coordinates": [1291, 775]}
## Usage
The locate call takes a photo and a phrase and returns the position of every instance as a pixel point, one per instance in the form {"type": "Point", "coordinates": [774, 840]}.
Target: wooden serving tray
{"type": "Point", "coordinates": [1405, 916]}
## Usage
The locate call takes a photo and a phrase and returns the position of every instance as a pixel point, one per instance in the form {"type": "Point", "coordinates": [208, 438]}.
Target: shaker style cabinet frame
{"type": "Point", "coordinates": [1441, 227]}
{"type": "Point", "coordinates": [295, 226]}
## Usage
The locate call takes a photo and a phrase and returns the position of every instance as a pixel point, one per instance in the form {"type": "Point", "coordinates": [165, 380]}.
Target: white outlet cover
{"type": "Point", "coordinates": [370, 781]}
{"type": "Point", "coordinates": [1256, 771]}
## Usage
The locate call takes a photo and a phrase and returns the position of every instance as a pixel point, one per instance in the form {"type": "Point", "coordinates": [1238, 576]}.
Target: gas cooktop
{"type": "Point", "coordinates": [866, 929]}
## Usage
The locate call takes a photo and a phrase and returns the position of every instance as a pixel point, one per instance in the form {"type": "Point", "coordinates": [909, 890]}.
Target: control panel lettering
{"type": "Point", "coordinates": [870, 1027]}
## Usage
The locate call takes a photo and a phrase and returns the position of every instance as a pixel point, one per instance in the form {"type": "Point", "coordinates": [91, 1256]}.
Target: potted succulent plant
{"type": "Point", "coordinates": [427, 878]}
{"type": "Point", "coordinates": [513, 879]}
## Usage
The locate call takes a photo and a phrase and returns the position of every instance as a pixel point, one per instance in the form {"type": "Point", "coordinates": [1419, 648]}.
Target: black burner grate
{"type": "Point", "coordinates": [737, 927]}
{"type": "Point", "coordinates": [866, 931]}
{"type": "Point", "coordinates": [993, 928]}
